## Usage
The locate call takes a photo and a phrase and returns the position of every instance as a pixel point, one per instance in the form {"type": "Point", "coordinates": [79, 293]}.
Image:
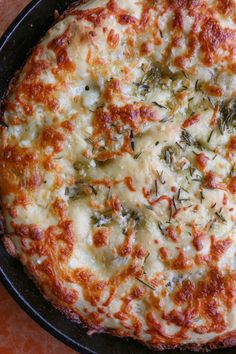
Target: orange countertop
{"type": "Point", "coordinates": [19, 334]}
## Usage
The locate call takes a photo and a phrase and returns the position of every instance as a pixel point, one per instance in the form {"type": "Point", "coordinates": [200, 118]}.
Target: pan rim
{"type": "Point", "coordinates": [37, 317]}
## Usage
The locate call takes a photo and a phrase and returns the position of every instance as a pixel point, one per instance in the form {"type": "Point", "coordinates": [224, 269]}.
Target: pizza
{"type": "Point", "coordinates": [117, 169]}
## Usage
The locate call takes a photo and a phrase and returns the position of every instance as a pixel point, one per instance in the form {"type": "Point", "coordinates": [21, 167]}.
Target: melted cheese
{"type": "Point", "coordinates": [117, 169]}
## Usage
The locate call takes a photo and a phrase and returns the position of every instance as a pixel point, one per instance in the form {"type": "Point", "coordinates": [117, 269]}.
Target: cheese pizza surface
{"type": "Point", "coordinates": [117, 169]}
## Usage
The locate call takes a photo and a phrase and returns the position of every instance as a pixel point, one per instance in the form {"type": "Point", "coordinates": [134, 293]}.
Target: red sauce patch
{"type": "Point", "coordinates": [112, 88]}
{"type": "Point", "coordinates": [212, 37]}
{"type": "Point", "coordinates": [178, 22]}
{"type": "Point", "coordinates": [232, 185]}
{"type": "Point", "coordinates": [133, 114]}
{"type": "Point", "coordinates": [232, 145]}
{"type": "Point", "coordinates": [212, 181]}
{"type": "Point", "coordinates": [191, 120]}
{"type": "Point", "coordinates": [139, 252]}
{"type": "Point", "coordinates": [226, 7]}
{"type": "Point", "coordinates": [101, 237]}
{"type": "Point", "coordinates": [214, 90]}
{"type": "Point", "coordinates": [68, 125]}
{"type": "Point", "coordinates": [53, 137]}
{"type": "Point", "coordinates": [130, 183]}
{"type": "Point", "coordinates": [114, 203]}
{"type": "Point", "coordinates": [147, 48]}
{"type": "Point", "coordinates": [60, 208]}
{"type": "Point", "coordinates": [201, 161]}
{"type": "Point", "coordinates": [215, 115]}
{"type": "Point", "coordinates": [164, 254]}
{"type": "Point", "coordinates": [181, 262]}
{"type": "Point", "coordinates": [126, 248]}
{"type": "Point", "coordinates": [113, 39]}
{"type": "Point", "coordinates": [181, 62]}
{"type": "Point", "coordinates": [147, 195]}
{"type": "Point", "coordinates": [185, 294]}
{"type": "Point", "coordinates": [198, 236]}
{"type": "Point", "coordinates": [218, 248]}
{"type": "Point", "coordinates": [172, 233]}
{"type": "Point", "coordinates": [126, 19]}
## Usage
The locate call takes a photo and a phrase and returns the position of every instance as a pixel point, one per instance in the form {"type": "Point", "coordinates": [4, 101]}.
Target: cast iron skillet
{"type": "Point", "coordinates": [21, 36]}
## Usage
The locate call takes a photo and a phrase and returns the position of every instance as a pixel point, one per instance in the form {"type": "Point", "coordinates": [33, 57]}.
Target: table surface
{"type": "Point", "coordinates": [19, 334]}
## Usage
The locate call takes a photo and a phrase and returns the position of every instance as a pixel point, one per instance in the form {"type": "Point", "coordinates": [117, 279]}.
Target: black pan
{"type": "Point", "coordinates": [15, 44]}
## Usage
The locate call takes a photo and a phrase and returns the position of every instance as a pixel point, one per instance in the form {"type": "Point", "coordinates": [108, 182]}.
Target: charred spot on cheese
{"type": "Point", "coordinates": [117, 169]}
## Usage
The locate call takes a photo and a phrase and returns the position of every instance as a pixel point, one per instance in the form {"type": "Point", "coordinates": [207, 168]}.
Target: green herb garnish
{"type": "Point", "coordinates": [132, 143]}
{"type": "Point", "coordinates": [146, 284]}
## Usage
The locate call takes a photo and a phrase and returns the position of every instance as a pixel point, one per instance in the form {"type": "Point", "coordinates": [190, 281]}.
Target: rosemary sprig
{"type": "Point", "coordinates": [168, 156]}
{"type": "Point", "coordinates": [197, 179]}
{"type": "Point", "coordinates": [178, 194]}
{"type": "Point", "coordinates": [211, 103]}
{"type": "Point", "coordinates": [220, 216]}
{"type": "Point", "coordinates": [149, 81]}
{"type": "Point", "coordinates": [161, 229]}
{"type": "Point", "coordinates": [231, 173]}
{"type": "Point", "coordinates": [195, 153]}
{"type": "Point", "coordinates": [184, 73]}
{"type": "Point", "coordinates": [145, 260]}
{"type": "Point", "coordinates": [196, 85]}
{"type": "Point", "coordinates": [227, 117]}
{"type": "Point", "coordinates": [132, 142]}
{"type": "Point", "coordinates": [173, 201]}
{"type": "Point", "coordinates": [164, 120]}
{"type": "Point", "coordinates": [180, 146]}
{"type": "Point", "coordinates": [202, 196]}
{"type": "Point", "coordinates": [187, 138]}
{"type": "Point", "coordinates": [146, 284]}
{"type": "Point", "coordinates": [109, 193]}
{"type": "Point", "coordinates": [159, 105]}
{"type": "Point", "coordinates": [160, 176]}
{"type": "Point", "coordinates": [93, 189]}
{"type": "Point", "coordinates": [101, 219]}
{"type": "Point", "coordinates": [137, 155]}
{"type": "Point", "coordinates": [182, 199]}
{"type": "Point", "coordinates": [156, 187]}
{"type": "Point", "coordinates": [191, 170]}
{"type": "Point", "coordinates": [210, 136]}
{"type": "Point", "coordinates": [149, 207]}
